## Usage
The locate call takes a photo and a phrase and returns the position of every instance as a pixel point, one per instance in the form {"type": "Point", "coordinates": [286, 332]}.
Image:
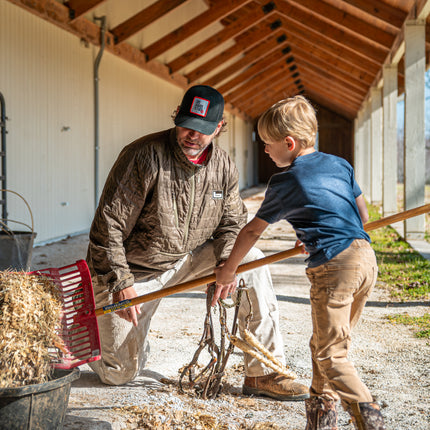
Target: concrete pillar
{"type": "Point", "coordinates": [366, 148]}
{"type": "Point", "coordinates": [414, 145]}
{"type": "Point", "coordinates": [358, 144]}
{"type": "Point", "coordinates": [389, 172]}
{"type": "Point", "coordinates": [376, 145]}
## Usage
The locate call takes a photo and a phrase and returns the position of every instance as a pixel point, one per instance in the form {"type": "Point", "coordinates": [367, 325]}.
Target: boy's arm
{"type": "Point", "coordinates": [226, 273]}
{"type": "Point", "coordinates": [362, 208]}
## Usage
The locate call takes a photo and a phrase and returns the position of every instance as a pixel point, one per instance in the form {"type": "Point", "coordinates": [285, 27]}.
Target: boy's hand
{"type": "Point", "coordinates": [226, 283]}
{"type": "Point", "coordinates": [300, 243]}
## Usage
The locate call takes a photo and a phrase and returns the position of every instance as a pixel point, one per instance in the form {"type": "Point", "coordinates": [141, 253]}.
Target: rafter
{"type": "Point", "coordinates": [249, 18]}
{"type": "Point", "coordinates": [380, 10]}
{"type": "Point", "coordinates": [311, 24]}
{"type": "Point", "coordinates": [252, 55]}
{"type": "Point", "coordinates": [215, 13]}
{"type": "Point", "coordinates": [246, 40]}
{"type": "Point", "coordinates": [339, 18]}
{"type": "Point", "coordinates": [145, 17]}
{"type": "Point", "coordinates": [78, 8]}
{"type": "Point", "coordinates": [257, 67]}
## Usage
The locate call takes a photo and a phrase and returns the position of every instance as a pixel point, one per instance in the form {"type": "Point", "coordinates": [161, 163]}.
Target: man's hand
{"type": "Point", "coordinates": [129, 314]}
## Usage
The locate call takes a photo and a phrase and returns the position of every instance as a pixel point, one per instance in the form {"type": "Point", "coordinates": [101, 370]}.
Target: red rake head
{"type": "Point", "coordinates": [79, 329]}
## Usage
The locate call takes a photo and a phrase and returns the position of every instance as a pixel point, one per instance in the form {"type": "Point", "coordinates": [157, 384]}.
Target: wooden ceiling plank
{"type": "Point", "coordinates": [270, 97]}
{"type": "Point", "coordinates": [331, 86]}
{"type": "Point", "coordinates": [340, 18]}
{"type": "Point", "coordinates": [360, 67]}
{"type": "Point", "coordinates": [304, 62]}
{"type": "Point", "coordinates": [77, 8]}
{"type": "Point", "coordinates": [278, 82]}
{"type": "Point", "coordinates": [308, 23]}
{"type": "Point", "coordinates": [356, 71]}
{"type": "Point", "coordinates": [380, 10]}
{"type": "Point", "coordinates": [339, 108]}
{"type": "Point", "coordinates": [215, 13]}
{"type": "Point", "coordinates": [336, 97]}
{"type": "Point", "coordinates": [246, 40]}
{"type": "Point", "coordinates": [247, 20]}
{"type": "Point", "coordinates": [251, 88]}
{"type": "Point", "coordinates": [254, 54]}
{"type": "Point", "coordinates": [145, 17]}
{"type": "Point", "coordinates": [257, 67]}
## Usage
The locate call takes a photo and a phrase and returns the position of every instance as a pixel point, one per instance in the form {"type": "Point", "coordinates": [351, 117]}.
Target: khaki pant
{"type": "Point", "coordinates": [339, 290]}
{"type": "Point", "coordinates": [125, 347]}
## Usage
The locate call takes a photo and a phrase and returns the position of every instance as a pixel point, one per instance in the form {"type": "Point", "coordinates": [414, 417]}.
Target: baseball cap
{"type": "Point", "coordinates": [201, 109]}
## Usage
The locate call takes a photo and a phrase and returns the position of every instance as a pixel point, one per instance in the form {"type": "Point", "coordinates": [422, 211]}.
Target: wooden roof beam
{"type": "Point", "coordinates": [380, 10]}
{"type": "Point", "coordinates": [249, 57]}
{"type": "Point", "coordinates": [257, 67]}
{"type": "Point", "coordinates": [278, 80]}
{"type": "Point", "coordinates": [269, 76]}
{"type": "Point", "coordinates": [246, 40]}
{"type": "Point", "coordinates": [247, 20]}
{"type": "Point", "coordinates": [340, 18]}
{"type": "Point", "coordinates": [215, 13]}
{"type": "Point", "coordinates": [333, 105]}
{"type": "Point", "coordinates": [280, 91]}
{"type": "Point", "coordinates": [342, 58]}
{"type": "Point", "coordinates": [78, 8]}
{"type": "Point", "coordinates": [331, 86]}
{"type": "Point", "coordinates": [145, 17]}
{"type": "Point", "coordinates": [337, 98]}
{"type": "Point", "coordinates": [304, 62]}
{"type": "Point", "coordinates": [309, 23]}
{"type": "Point", "coordinates": [350, 71]}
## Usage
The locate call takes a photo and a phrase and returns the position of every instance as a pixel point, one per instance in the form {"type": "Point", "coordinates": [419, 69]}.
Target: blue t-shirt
{"type": "Point", "coordinates": [316, 195]}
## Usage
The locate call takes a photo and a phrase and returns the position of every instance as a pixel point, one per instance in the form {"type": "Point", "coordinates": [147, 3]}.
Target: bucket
{"type": "Point", "coordinates": [16, 247]}
{"type": "Point", "coordinates": [38, 406]}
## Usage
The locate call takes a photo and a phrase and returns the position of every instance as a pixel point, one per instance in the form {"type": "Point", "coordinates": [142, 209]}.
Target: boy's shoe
{"type": "Point", "coordinates": [276, 386]}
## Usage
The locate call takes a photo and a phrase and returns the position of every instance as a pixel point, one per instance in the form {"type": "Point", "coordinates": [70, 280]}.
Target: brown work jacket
{"type": "Point", "coordinates": [157, 206]}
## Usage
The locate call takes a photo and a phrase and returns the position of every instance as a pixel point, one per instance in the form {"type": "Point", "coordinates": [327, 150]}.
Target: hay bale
{"type": "Point", "coordinates": [30, 313]}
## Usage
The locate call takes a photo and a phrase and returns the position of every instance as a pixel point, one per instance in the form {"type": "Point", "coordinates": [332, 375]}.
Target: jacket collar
{"type": "Point", "coordinates": [181, 157]}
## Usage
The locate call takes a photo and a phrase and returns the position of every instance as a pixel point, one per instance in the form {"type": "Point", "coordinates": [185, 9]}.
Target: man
{"type": "Point", "coordinates": [170, 212]}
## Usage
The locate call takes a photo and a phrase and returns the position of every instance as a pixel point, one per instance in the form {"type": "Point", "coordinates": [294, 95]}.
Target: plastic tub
{"type": "Point", "coordinates": [38, 406]}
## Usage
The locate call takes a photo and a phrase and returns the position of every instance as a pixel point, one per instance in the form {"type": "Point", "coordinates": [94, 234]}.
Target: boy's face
{"type": "Point", "coordinates": [281, 152]}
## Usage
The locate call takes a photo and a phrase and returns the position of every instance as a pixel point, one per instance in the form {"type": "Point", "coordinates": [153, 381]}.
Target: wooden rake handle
{"type": "Point", "coordinates": [283, 255]}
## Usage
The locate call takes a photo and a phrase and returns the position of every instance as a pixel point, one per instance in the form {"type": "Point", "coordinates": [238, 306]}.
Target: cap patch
{"type": "Point", "coordinates": [200, 106]}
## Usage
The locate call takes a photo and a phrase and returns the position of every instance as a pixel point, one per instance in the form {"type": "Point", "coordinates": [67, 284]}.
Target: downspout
{"type": "Point", "coordinates": [3, 119]}
{"type": "Point", "coordinates": [96, 108]}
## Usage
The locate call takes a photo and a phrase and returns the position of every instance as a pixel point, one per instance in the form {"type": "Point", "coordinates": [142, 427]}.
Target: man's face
{"type": "Point", "coordinates": [194, 143]}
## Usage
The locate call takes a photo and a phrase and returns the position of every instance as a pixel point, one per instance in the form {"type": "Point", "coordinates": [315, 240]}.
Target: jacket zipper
{"type": "Point", "coordinates": [190, 211]}
{"type": "Point", "coordinates": [175, 211]}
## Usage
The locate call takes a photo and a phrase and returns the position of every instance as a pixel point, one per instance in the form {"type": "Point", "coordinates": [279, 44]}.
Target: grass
{"type": "Point", "coordinates": [402, 271]}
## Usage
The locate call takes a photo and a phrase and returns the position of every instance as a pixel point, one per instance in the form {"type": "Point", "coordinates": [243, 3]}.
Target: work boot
{"type": "Point", "coordinates": [276, 386]}
{"type": "Point", "coordinates": [366, 416]}
{"type": "Point", "coordinates": [321, 414]}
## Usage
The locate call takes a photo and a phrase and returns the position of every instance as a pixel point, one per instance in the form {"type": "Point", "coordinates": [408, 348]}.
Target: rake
{"type": "Point", "coordinates": [79, 328]}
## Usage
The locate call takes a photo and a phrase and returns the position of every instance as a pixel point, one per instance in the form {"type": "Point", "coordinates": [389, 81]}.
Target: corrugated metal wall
{"type": "Point", "coordinates": [46, 77]}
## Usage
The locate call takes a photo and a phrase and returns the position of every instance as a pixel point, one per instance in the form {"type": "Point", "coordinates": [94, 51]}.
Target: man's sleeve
{"type": "Point", "coordinates": [120, 205]}
{"type": "Point", "coordinates": [233, 219]}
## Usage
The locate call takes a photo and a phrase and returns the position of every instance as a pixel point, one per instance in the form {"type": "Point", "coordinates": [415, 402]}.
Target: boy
{"type": "Point", "coordinates": [318, 195]}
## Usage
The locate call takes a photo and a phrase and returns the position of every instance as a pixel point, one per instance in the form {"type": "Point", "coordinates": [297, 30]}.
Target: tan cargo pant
{"type": "Point", "coordinates": [339, 290]}
{"type": "Point", "coordinates": [125, 348]}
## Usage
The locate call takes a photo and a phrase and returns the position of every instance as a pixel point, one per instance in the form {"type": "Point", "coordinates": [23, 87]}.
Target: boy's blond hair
{"type": "Point", "coordinates": [293, 117]}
